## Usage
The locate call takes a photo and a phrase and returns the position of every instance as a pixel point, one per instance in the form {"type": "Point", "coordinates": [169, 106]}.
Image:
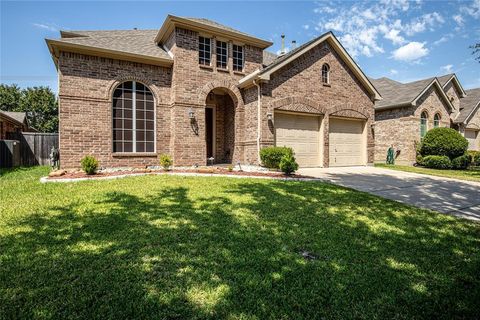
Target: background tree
{"type": "Point", "coordinates": [41, 106]}
{"type": "Point", "coordinates": [10, 96]}
{"type": "Point", "coordinates": [39, 103]}
{"type": "Point", "coordinates": [476, 51]}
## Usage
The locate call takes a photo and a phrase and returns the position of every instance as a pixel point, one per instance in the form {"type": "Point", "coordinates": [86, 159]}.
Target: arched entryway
{"type": "Point", "coordinates": [220, 126]}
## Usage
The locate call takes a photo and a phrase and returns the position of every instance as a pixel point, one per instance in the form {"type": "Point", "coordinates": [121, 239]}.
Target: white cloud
{"type": "Point", "coordinates": [393, 72]}
{"type": "Point", "coordinates": [363, 26]}
{"type": "Point", "coordinates": [472, 10]}
{"type": "Point", "coordinates": [447, 68]}
{"type": "Point", "coordinates": [306, 26]}
{"type": "Point", "coordinates": [411, 52]}
{"type": "Point", "coordinates": [394, 36]}
{"type": "Point", "coordinates": [443, 39]}
{"type": "Point", "coordinates": [458, 19]}
{"type": "Point", "coordinates": [46, 26]}
{"type": "Point", "coordinates": [424, 22]}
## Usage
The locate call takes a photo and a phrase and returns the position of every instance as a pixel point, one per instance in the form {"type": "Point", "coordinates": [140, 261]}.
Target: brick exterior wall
{"type": "Point", "coordinates": [454, 95]}
{"type": "Point", "coordinates": [87, 83]}
{"type": "Point", "coordinates": [400, 127]}
{"type": "Point", "coordinates": [298, 87]}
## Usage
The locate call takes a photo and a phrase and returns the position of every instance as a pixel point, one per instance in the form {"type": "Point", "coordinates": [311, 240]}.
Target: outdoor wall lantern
{"type": "Point", "coordinates": [270, 117]}
{"type": "Point", "coordinates": [193, 121]}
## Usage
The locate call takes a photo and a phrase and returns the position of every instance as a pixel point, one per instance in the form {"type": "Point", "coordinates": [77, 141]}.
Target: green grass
{"type": "Point", "coordinates": [469, 175]}
{"type": "Point", "coordinates": [171, 247]}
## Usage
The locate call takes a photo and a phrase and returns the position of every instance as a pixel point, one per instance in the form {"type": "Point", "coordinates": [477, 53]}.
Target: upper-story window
{"type": "Point", "coordinates": [436, 120]}
{"type": "Point", "coordinates": [423, 124]}
{"type": "Point", "coordinates": [133, 118]}
{"type": "Point", "coordinates": [325, 74]}
{"type": "Point", "coordinates": [222, 55]}
{"type": "Point", "coordinates": [204, 51]}
{"type": "Point", "coordinates": [238, 58]}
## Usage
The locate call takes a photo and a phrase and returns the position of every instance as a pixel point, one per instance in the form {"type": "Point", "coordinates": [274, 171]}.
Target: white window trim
{"type": "Point", "coordinates": [226, 54]}
{"type": "Point", "coordinates": [243, 57]}
{"type": "Point", "coordinates": [134, 119]}
{"type": "Point", "coordinates": [210, 52]}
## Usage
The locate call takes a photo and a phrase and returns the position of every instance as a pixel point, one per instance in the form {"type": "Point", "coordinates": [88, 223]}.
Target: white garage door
{"type": "Point", "coordinates": [302, 134]}
{"type": "Point", "coordinates": [472, 137]}
{"type": "Point", "coordinates": [346, 143]}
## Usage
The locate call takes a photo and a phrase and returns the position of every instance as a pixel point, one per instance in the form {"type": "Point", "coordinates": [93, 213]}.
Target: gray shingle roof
{"type": "Point", "coordinates": [139, 42]}
{"type": "Point", "coordinates": [467, 104]}
{"type": "Point", "coordinates": [214, 24]}
{"type": "Point", "coordinates": [396, 93]}
{"type": "Point", "coordinates": [17, 116]}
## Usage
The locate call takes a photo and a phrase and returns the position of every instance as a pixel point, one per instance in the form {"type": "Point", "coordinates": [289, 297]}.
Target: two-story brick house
{"type": "Point", "coordinates": [196, 90]}
{"type": "Point", "coordinates": [408, 110]}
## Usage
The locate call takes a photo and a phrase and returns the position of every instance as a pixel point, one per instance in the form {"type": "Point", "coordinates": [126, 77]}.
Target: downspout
{"type": "Point", "coordinates": [259, 120]}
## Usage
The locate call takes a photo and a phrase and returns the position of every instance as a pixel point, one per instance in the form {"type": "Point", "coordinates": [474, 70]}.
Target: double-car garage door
{"type": "Point", "coordinates": [303, 134]}
{"type": "Point", "coordinates": [473, 139]}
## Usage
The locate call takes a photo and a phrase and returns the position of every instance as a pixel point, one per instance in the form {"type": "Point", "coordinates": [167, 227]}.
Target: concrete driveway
{"type": "Point", "coordinates": [455, 197]}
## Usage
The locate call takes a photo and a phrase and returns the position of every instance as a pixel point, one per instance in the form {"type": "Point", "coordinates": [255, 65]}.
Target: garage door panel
{"type": "Point", "coordinates": [346, 146]}
{"type": "Point", "coordinates": [301, 133]}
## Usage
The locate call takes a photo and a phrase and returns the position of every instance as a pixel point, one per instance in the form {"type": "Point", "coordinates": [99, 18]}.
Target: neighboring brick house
{"type": "Point", "coordinates": [408, 110]}
{"type": "Point", "coordinates": [196, 89]}
{"type": "Point", "coordinates": [12, 122]}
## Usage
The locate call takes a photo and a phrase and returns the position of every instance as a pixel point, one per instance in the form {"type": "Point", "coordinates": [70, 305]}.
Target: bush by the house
{"type": "Point", "coordinates": [443, 142]}
{"type": "Point", "coordinates": [271, 156]}
{"type": "Point", "coordinates": [419, 159]}
{"type": "Point", "coordinates": [89, 164]}
{"type": "Point", "coordinates": [437, 162]}
{"type": "Point", "coordinates": [475, 157]}
{"type": "Point", "coordinates": [166, 161]}
{"type": "Point", "coordinates": [462, 162]}
{"type": "Point", "coordinates": [288, 165]}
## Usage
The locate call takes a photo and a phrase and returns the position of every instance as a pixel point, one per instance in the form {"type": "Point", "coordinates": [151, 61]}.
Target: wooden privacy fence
{"type": "Point", "coordinates": [34, 149]}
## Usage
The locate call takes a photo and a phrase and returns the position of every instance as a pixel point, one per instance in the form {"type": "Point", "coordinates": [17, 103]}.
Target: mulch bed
{"type": "Point", "coordinates": [271, 174]}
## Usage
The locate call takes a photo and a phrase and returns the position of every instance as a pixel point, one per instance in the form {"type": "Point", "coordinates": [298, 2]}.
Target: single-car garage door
{"type": "Point", "coordinates": [302, 134]}
{"type": "Point", "coordinates": [346, 142]}
{"type": "Point", "coordinates": [472, 137]}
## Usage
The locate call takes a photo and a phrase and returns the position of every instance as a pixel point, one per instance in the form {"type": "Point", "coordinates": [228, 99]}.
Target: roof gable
{"type": "Point", "coordinates": [294, 54]}
{"type": "Point", "coordinates": [205, 25]}
{"type": "Point", "coordinates": [469, 105]}
{"type": "Point", "coordinates": [452, 77]}
{"type": "Point", "coordinates": [396, 94]}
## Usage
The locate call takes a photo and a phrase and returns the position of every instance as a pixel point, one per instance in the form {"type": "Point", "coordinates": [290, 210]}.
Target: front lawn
{"type": "Point", "coordinates": [469, 175]}
{"type": "Point", "coordinates": [171, 247]}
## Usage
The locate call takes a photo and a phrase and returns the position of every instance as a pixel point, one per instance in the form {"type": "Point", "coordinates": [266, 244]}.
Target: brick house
{"type": "Point", "coordinates": [195, 89]}
{"type": "Point", "coordinates": [13, 122]}
{"type": "Point", "coordinates": [408, 110]}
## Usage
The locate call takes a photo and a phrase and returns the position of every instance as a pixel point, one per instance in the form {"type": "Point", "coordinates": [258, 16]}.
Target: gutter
{"type": "Point", "coordinates": [259, 120]}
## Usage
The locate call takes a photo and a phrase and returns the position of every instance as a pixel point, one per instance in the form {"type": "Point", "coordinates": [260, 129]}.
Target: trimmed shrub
{"type": "Point", "coordinates": [288, 164]}
{"type": "Point", "coordinates": [271, 156]}
{"type": "Point", "coordinates": [419, 159]}
{"type": "Point", "coordinates": [437, 162]}
{"type": "Point", "coordinates": [89, 164]}
{"type": "Point", "coordinates": [462, 162]}
{"type": "Point", "coordinates": [475, 157]}
{"type": "Point", "coordinates": [443, 142]}
{"type": "Point", "coordinates": [166, 161]}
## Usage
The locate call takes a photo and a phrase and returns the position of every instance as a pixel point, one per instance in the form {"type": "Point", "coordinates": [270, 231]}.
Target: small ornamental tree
{"type": "Point", "coordinates": [443, 142]}
{"type": "Point", "coordinates": [89, 165]}
{"type": "Point", "coordinates": [166, 161]}
{"type": "Point", "coordinates": [288, 164]}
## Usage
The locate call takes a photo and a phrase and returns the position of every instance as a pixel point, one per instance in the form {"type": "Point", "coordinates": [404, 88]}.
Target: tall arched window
{"type": "Point", "coordinates": [436, 120]}
{"type": "Point", "coordinates": [133, 118]}
{"type": "Point", "coordinates": [423, 124]}
{"type": "Point", "coordinates": [325, 74]}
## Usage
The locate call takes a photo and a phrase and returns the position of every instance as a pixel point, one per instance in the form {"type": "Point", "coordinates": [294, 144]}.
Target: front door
{"type": "Point", "coordinates": [209, 131]}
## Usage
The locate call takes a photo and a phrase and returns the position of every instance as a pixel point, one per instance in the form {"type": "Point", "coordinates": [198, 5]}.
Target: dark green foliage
{"type": "Point", "coordinates": [39, 103]}
{"type": "Point", "coordinates": [462, 162]}
{"type": "Point", "coordinates": [419, 159]}
{"type": "Point", "coordinates": [437, 162]}
{"type": "Point", "coordinates": [166, 161]}
{"type": "Point", "coordinates": [475, 157]}
{"type": "Point", "coordinates": [271, 156]}
{"type": "Point", "coordinates": [443, 142]}
{"type": "Point", "coordinates": [89, 164]}
{"type": "Point", "coordinates": [288, 165]}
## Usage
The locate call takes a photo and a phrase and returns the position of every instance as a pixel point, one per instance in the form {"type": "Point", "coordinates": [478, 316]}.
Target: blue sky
{"type": "Point", "coordinates": [399, 39]}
